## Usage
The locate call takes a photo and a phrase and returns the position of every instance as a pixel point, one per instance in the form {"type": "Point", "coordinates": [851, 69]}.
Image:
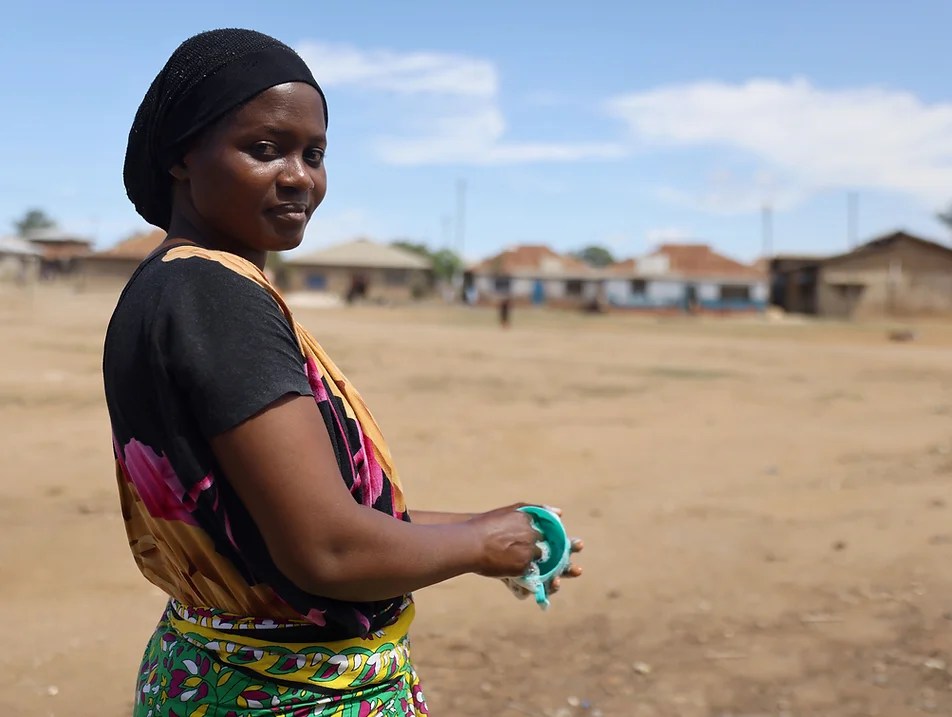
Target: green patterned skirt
{"type": "Point", "coordinates": [201, 663]}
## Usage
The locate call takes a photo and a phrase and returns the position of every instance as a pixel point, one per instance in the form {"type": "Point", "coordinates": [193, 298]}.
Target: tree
{"type": "Point", "coordinates": [596, 256]}
{"type": "Point", "coordinates": [446, 264]}
{"type": "Point", "coordinates": [415, 247]}
{"type": "Point", "coordinates": [32, 221]}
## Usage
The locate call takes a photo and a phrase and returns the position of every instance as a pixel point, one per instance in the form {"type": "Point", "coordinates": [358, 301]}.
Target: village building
{"type": "Point", "coordinates": [114, 266]}
{"type": "Point", "coordinates": [534, 274]}
{"type": "Point", "coordinates": [686, 276]}
{"type": "Point", "coordinates": [19, 260]}
{"type": "Point", "coordinates": [60, 252]}
{"type": "Point", "coordinates": [360, 270]}
{"type": "Point", "coordinates": [897, 274]}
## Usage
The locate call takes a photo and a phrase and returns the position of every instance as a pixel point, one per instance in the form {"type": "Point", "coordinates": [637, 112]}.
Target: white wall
{"type": "Point", "coordinates": [707, 291]}
{"type": "Point", "coordinates": [617, 290]}
{"type": "Point", "coordinates": [760, 291]}
{"type": "Point", "coordinates": [521, 287]}
{"type": "Point", "coordinates": [664, 291]}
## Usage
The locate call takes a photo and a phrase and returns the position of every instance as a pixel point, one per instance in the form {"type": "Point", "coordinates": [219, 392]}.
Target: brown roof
{"type": "Point", "coordinates": [884, 243]}
{"type": "Point", "coordinates": [138, 246]}
{"type": "Point", "coordinates": [699, 260]}
{"type": "Point", "coordinates": [531, 259]}
{"type": "Point", "coordinates": [696, 261]}
{"type": "Point", "coordinates": [628, 267]}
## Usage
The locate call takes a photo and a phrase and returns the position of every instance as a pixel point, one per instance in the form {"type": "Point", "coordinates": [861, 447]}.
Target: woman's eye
{"type": "Point", "coordinates": [314, 157]}
{"type": "Point", "coordinates": [265, 150]}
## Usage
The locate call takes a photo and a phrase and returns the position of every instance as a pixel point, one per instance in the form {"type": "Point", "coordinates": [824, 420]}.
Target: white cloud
{"type": "Point", "coordinates": [338, 65]}
{"type": "Point", "coordinates": [875, 138]}
{"type": "Point", "coordinates": [461, 119]}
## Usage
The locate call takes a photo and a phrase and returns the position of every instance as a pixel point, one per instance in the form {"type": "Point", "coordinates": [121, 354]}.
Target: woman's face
{"type": "Point", "coordinates": [256, 177]}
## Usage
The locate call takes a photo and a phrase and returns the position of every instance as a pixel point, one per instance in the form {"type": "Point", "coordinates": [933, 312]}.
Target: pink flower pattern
{"type": "Point", "coordinates": [155, 481]}
{"type": "Point", "coordinates": [368, 475]}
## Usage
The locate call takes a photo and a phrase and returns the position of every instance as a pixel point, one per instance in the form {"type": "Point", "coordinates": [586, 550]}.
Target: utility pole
{"type": "Point", "coordinates": [460, 223]}
{"type": "Point", "coordinates": [447, 221]}
{"type": "Point", "coordinates": [460, 216]}
{"type": "Point", "coordinates": [767, 231]}
{"type": "Point", "coordinates": [852, 216]}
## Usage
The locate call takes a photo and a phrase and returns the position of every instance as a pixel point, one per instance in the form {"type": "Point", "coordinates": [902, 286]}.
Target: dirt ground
{"type": "Point", "coordinates": [766, 508]}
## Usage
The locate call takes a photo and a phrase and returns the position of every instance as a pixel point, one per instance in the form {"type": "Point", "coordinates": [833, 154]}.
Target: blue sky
{"type": "Point", "coordinates": [623, 124]}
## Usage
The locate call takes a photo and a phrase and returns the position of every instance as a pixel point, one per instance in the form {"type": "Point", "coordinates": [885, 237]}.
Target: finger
{"type": "Point", "coordinates": [572, 571]}
{"type": "Point", "coordinates": [536, 552]}
{"type": "Point", "coordinates": [577, 545]}
{"type": "Point", "coordinates": [555, 585]}
{"type": "Point", "coordinates": [551, 509]}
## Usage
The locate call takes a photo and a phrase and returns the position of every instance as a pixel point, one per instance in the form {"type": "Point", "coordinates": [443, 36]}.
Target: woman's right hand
{"type": "Point", "coordinates": [508, 542]}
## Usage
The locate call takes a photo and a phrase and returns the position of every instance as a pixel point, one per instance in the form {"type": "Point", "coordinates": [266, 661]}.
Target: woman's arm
{"type": "Point", "coordinates": [282, 465]}
{"type": "Point", "coordinates": [431, 517]}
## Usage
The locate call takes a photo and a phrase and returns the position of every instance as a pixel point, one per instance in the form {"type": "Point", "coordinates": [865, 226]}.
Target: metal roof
{"type": "Point", "coordinates": [18, 246]}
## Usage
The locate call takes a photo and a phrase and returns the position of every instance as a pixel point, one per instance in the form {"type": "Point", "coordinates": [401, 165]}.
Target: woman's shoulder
{"type": "Point", "coordinates": [191, 278]}
{"type": "Point", "coordinates": [187, 266]}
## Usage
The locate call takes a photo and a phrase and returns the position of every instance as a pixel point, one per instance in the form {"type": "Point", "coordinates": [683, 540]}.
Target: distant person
{"type": "Point", "coordinates": [256, 489]}
{"type": "Point", "coordinates": [505, 309]}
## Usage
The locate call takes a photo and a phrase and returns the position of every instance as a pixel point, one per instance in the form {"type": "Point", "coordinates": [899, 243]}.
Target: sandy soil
{"type": "Point", "coordinates": [766, 510]}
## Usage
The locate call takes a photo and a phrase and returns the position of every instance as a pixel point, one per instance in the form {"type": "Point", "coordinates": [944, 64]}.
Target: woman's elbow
{"type": "Point", "coordinates": [326, 573]}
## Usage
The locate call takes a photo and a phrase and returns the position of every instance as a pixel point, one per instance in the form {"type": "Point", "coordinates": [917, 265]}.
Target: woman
{"type": "Point", "coordinates": [256, 488]}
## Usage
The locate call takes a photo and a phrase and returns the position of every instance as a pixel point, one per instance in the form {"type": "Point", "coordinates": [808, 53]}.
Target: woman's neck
{"type": "Point", "coordinates": [192, 229]}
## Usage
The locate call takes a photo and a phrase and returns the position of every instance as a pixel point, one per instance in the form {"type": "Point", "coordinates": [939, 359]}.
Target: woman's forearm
{"type": "Point", "coordinates": [431, 517]}
{"type": "Point", "coordinates": [377, 557]}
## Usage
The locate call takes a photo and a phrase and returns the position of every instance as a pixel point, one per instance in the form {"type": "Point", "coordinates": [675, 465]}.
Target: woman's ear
{"type": "Point", "coordinates": [179, 171]}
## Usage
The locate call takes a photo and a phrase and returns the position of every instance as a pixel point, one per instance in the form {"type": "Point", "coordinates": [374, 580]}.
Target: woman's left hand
{"type": "Point", "coordinates": [572, 571]}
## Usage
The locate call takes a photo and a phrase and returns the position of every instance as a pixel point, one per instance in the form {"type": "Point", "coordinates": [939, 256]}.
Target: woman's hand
{"type": "Point", "coordinates": [508, 542]}
{"type": "Point", "coordinates": [572, 571]}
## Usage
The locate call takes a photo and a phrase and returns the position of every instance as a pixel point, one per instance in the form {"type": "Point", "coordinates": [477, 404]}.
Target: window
{"type": "Point", "coordinates": [501, 284]}
{"type": "Point", "coordinates": [573, 287]}
{"type": "Point", "coordinates": [639, 287]}
{"type": "Point", "coordinates": [738, 292]}
{"type": "Point", "coordinates": [396, 277]}
{"type": "Point", "coordinates": [316, 282]}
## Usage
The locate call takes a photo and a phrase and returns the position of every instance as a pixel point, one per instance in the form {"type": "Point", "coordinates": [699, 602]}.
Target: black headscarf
{"type": "Point", "coordinates": [209, 75]}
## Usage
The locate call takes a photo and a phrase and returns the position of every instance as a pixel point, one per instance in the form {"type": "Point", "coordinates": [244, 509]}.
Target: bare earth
{"type": "Point", "coordinates": [766, 510]}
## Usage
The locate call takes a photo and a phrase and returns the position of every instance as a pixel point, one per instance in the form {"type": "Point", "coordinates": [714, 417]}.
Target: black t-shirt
{"type": "Point", "coordinates": [194, 349]}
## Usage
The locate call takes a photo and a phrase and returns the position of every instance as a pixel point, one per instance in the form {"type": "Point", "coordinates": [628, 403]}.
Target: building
{"type": "Point", "coordinates": [19, 260]}
{"type": "Point", "coordinates": [534, 274]}
{"type": "Point", "coordinates": [897, 274]}
{"type": "Point", "coordinates": [61, 252]}
{"type": "Point", "coordinates": [793, 282]}
{"type": "Point", "coordinates": [361, 269]}
{"type": "Point", "coordinates": [683, 276]}
{"type": "Point", "coordinates": [117, 264]}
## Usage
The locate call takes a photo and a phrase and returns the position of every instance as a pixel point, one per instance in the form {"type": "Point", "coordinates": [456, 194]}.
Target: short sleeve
{"type": "Point", "coordinates": [224, 342]}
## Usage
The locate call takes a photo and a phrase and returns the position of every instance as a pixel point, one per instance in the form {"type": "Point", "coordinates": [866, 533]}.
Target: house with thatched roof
{"type": "Point", "coordinates": [360, 269]}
